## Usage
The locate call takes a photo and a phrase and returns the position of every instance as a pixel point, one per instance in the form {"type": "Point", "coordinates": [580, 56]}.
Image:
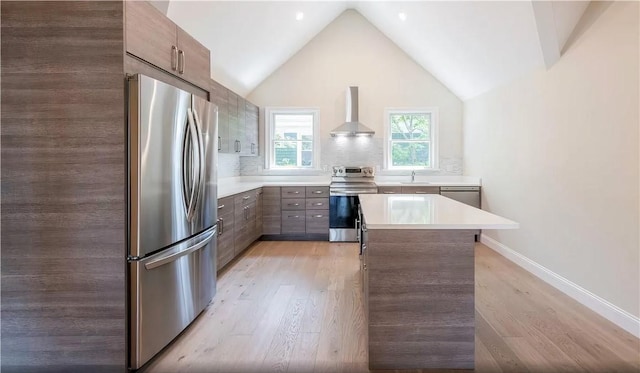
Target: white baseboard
{"type": "Point", "coordinates": [609, 311]}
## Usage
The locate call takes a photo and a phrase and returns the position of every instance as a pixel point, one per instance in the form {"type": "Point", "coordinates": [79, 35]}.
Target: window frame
{"type": "Point", "coordinates": [270, 113]}
{"type": "Point", "coordinates": [433, 138]}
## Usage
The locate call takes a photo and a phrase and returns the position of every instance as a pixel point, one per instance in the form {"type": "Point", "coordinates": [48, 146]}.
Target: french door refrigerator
{"type": "Point", "coordinates": [172, 212]}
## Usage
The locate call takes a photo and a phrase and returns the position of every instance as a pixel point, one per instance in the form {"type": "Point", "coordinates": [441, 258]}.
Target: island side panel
{"type": "Point", "coordinates": [421, 299]}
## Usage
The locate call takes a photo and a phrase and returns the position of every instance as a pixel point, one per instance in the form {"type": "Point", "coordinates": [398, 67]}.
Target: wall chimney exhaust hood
{"type": "Point", "coordinates": [352, 127]}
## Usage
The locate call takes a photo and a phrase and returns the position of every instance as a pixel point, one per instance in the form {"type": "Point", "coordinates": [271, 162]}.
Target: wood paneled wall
{"type": "Point", "coordinates": [63, 187]}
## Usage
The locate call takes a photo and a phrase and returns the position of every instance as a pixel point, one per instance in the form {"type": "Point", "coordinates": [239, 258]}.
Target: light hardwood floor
{"type": "Point", "coordinates": [297, 307]}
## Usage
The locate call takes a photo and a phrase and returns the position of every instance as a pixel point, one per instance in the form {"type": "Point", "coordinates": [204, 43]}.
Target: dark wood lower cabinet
{"type": "Point", "coordinates": [245, 223]}
{"type": "Point", "coordinates": [293, 221]}
{"type": "Point", "coordinates": [271, 210]}
{"type": "Point", "coordinates": [226, 238]}
{"type": "Point", "coordinates": [317, 221]}
{"type": "Point", "coordinates": [270, 213]}
{"type": "Point", "coordinates": [259, 215]}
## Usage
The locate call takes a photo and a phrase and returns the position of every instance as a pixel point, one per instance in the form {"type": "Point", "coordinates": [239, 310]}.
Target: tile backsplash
{"type": "Point", "coordinates": [228, 165]}
{"type": "Point", "coordinates": [358, 151]}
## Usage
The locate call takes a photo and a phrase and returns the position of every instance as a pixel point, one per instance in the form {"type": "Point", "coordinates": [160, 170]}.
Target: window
{"type": "Point", "coordinates": [291, 141]}
{"type": "Point", "coordinates": [411, 138]}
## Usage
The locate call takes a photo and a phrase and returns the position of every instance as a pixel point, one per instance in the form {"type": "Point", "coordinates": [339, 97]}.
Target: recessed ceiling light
{"type": "Point", "coordinates": [299, 16]}
{"type": "Point", "coordinates": [402, 16]}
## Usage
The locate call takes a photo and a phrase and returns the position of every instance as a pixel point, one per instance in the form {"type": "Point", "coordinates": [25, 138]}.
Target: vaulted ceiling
{"type": "Point", "coordinates": [470, 46]}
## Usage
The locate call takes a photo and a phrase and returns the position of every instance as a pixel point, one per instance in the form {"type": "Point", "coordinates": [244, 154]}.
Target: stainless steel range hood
{"type": "Point", "coordinates": [352, 127]}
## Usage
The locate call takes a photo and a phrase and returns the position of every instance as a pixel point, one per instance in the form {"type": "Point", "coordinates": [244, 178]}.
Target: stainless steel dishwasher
{"type": "Point", "coordinates": [469, 195]}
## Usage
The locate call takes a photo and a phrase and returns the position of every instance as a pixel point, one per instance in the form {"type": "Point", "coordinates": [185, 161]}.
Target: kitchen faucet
{"type": "Point", "coordinates": [413, 176]}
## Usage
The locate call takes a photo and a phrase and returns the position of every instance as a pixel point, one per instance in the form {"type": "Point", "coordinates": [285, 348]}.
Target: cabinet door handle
{"type": "Point", "coordinates": [174, 57]}
{"type": "Point", "coordinates": [181, 61]}
{"type": "Point", "coordinates": [253, 148]}
{"type": "Point", "coordinates": [318, 216]}
{"type": "Point", "coordinates": [220, 207]}
{"type": "Point", "coordinates": [364, 266]}
{"type": "Point", "coordinates": [245, 198]}
{"type": "Point", "coordinates": [296, 192]}
{"type": "Point", "coordinates": [294, 204]}
{"type": "Point", "coordinates": [219, 143]}
{"type": "Point", "coordinates": [318, 192]}
{"type": "Point", "coordinates": [220, 226]}
{"type": "Point", "coordinates": [294, 216]}
{"type": "Point", "coordinates": [239, 146]}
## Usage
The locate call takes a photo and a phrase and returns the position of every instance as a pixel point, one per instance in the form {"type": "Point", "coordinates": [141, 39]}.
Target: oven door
{"type": "Point", "coordinates": [343, 213]}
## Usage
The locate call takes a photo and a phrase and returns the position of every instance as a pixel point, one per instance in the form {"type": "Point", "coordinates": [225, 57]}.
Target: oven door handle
{"type": "Point", "coordinates": [351, 192]}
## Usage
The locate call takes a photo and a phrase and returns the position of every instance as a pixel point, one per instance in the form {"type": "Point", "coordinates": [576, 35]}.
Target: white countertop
{"type": "Point", "coordinates": [233, 185]}
{"type": "Point", "coordinates": [426, 211]}
{"type": "Point", "coordinates": [421, 180]}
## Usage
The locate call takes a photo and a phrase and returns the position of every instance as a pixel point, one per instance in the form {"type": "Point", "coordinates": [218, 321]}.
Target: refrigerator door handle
{"type": "Point", "coordinates": [195, 177]}
{"type": "Point", "coordinates": [173, 256]}
{"type": "Point", "coordinates": [201, 155]}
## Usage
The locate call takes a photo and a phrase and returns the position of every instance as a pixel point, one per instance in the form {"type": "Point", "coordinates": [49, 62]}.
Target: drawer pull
{"type": "Point", "coordinates": [318, 192]}
{"type": "Point", "coordinates": [220, 207]}
{"type": "Point", "coordinates": [246, 198]}
{"type": "Point", "coordinates": [294, 204]}
{"type": "Point", "coordinates": [296, 192]}
{"type": "Point", "coordinates": [318, 204]}
{"type": "Point", "coordinates": [318, 216]}
{"type": "Point", "coordinates": [294, 216]}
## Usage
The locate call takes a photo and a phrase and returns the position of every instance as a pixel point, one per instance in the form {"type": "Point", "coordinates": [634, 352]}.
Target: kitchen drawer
{"type": "Point", "coordinates": [243, 199]}
{"type": "Point", "coordinates": [317, 221]}
{"type": "Point", "coordinates": [420, 190]}
{"type": "Point", "coordinates": [225, 206]}
{"type": "Point", "coordinates": [315, 192]}
{"type": "Point", "coordinates": [293, 204]}
{"type": "Point", "coordinates": [293, 192]}
{"type": "Point", "coordinates": [389, 190]}
{"type": "Point", "coordinates": [317, 203]}
{"type": "Point", "coordinates": [293, 221]}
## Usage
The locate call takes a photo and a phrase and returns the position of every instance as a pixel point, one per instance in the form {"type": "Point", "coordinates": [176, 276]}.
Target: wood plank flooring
{"type": "Point", "coordinates": [297, 307]}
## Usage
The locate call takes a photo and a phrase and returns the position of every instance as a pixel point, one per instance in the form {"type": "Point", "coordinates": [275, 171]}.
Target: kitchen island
{"type": "Point", "coordinates": [418, 279]}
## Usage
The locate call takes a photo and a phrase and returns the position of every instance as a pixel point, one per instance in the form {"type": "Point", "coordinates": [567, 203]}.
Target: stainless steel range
{"type": "Point", "coordinates": [346, 184]}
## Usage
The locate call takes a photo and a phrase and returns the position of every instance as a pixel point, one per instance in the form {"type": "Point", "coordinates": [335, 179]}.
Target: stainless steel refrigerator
{"type": "Point", "coordinates": [172, 212]}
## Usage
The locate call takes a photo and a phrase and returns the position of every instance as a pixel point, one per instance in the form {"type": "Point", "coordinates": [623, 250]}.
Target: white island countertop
{"type": "Point", "coordinates": [426, 211]}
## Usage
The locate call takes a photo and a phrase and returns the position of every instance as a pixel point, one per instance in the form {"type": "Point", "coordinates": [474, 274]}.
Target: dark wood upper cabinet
{"type": "Point", "coordinates": [251, 128]}
{"type": "Point", "coordinates": [193, 60]}
{"type": "Point", "coordinates": [150, 35]}
{"type": "Point", "coordinates": [235, 144]}
{"type": "Point", "coordinates": [154, 38]}
{"type": "Point", "coordinates": [220, 98]}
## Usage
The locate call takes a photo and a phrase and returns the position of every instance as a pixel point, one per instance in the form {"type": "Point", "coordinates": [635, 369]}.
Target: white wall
{"type": "Point", "coordinates": [350, 51]}
{"type": "Point", "coordinates": [558, 152]}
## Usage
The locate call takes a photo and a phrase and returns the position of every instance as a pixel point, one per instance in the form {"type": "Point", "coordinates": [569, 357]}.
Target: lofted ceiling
{"type": "Point", "coordinates": [470, 46]}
